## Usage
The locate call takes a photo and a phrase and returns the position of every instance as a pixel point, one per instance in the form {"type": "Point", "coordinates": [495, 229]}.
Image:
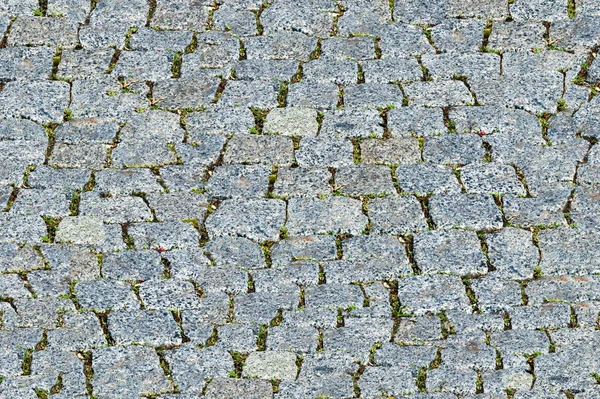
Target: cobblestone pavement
{"type": "Point", "coordinates": [299, 199]}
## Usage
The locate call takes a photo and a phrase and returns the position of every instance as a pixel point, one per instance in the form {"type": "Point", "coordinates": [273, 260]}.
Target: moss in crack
{"type": "Point", "coordinates": [571, 8]}
{"type": "Point", "coordinates": [176, 66]}
{"type": "Point", "coordinates": [57, 388]}
{"type": "Point", "coordinates": [266, 248]}
{"type": "Point", "coordinates": [26, 362]}
{"type": "Point", "coordinates": [74, 204]}
{"type": "Point", "coordinates": [261, 339]}
{"type": "Point", "coordinates": [421, 379]}
{"type": "Point", "coordinates": [220, 90]}
{"type": "Point", "coordinates": [51, 228]}
{"type": "Point", "coordinates": [485, 250]}
{"type": "Point", "coordinates": [282, 94]}
{"type": "Point", "coordinates": [260, 117]}
{"type": "Point", "coordinates": [132, 31]}
{"type": "Point", "coordinates": [88, 372]}
{"type": "Point", "coordinates": [544, 119]}
{"type": "Point", "coordinates": [471, 295]}
{"type": "Point", "coordinates": [316, 54]}
{"type": "Point", "coordinates": [164, 365]}
{"type": "Point", "coordinates": [239, 359]}
{"type": "Point", "coordinates": [356, 153]}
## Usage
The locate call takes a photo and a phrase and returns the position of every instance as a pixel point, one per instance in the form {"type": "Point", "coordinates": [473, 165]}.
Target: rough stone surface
{"type": "Point", "coordinates": [299, 199]}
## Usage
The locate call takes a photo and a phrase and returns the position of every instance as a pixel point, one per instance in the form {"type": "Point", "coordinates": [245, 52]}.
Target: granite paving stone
{"type": "Point", "coordinates": [466, 211]}
{"type": "Point", "coordinates": [311, 199]}
{"type": "Point", "coordinates": [452, 251]}
{"type": "Point", "coordinates": [340, 71]}
{"type": "Point", "coordinates": [261, 219]}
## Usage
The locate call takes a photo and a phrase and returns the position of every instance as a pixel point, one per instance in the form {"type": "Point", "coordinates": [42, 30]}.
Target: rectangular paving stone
{"type": "Point", "coordinates": [299, 122]}
{"type": "Point", "coordinates": [128, 370]}
{"type": "Point", "coordinates": [239, 181]}
{"type": "Point", "coordinates": [255, 93]}
{"type": "Point", "coordinates": [279, 70]}
{"type": "Point", "coordinates": [42, 102]}
{"type": "Point", "coordinates": [334, 296]}
{"type": "Point", "coordinates": [152, 126]}
{"type": "Point", "coordinates": [115, 209]}
{"type": "Point", "coordinates": [364, 180]}
{"type": "Point", "coordinates": [33, 202]}
{"type": "Point", "coordinates": [419, 11]}
{"type": "Point", "coordinates": [227, 388]}
{"type": "Point", "coordinates": [373, 95]}
{"type": "Point", "coordinates": [205, 150]}
{"type": "Point", "coordinates": [126, 182]}
{"type": "Point", "coordinates": [356, 48]}
{"type": "Point", "coordinates": [450, 65]}
{"type": "Point", "coordinates": [491, 178]}
{"type": "Point", "coordinates": [359, 16]}
{"type": "Point", "coordinates": [186, 93]}
{"type": "Point", "coordinates": [462, 35]}
{"type": "Point", "coordinates": [141, 155]}
{"type": "Point", "coordinates": [178, 206]}
{"type": "Point", "coordinates": [454, 149]}
{"type": "Point", "coordinates": [143, 65]}
{"type": "Point", "coordinates": [494, 119]}
{"type": "Point", "coordinates": [540, 11]}
{"type": "Point", "coordinates": [17, 7]}
{"type": "Point", "coordinates": [148, 39]}
{"type": "Point", "coordinates": [545, 210]}
{"type": "Point", "coordinates": [280, 46]}
{"type": "Point", "coordinates": [548, 315]}
{"type": "Point", "coordinates": [316, 247]}
{"type": "Point", "coordinates": [419, 121]}
{"type": "Point", "coordinates": [517, 36]}
{"type": "Point", "coordinates": [262, 149]}
{"type": "Point", "coordinates": [19, 229]}
{"type": "Point", "coordinates": [394, 151]}
{"type": "Point", "coordinates": [101, 97]}
{"type": "Point", "coordinates": [313, 94]}
{"type": "Point", "coordinates": [86, 131]}
{"type": "Point", "coordinates": [396, 215]}
{"type": "Point", "coordinates": [303, 16]}
{"type": "Point", "coordinates": [132, 265]}
{"type": "Point", "coordinates": [391, 70]}
{"type": "Point", "coordinates": [351, 123]}
{"type": "Point", "coordinates": [330, 70]}
{"type": "Point", "coordinates": [236, 19]}
{"type": "Point", "coordinates": [219, 120]}
{"type": "Point", "coordinates": [106, 294]}
{"type": "Point", "coordinates": [184, 177]}
{"type": "Point", "coordinates": [91, 156]}
{"type": "Point", "coordinates": [146, 327]}
{"type": "Point", "coordinates": [27, 63]}
{"type": "Point", "coordinates": [442, 93]}
{"type": "Point", "coordinates": [512, 253]}
{"type": "Point", "coordinates": [421, 295]}
{"type": "Point", "coordinates": [235, 252]}
{"type": "Point", "coordinates": [36, 31]}
{"type": "Point", "coordinates": [467, 211]}
{"type": "Point", "coordinates": [337, 215]}
{"type": "Point", "coordinates": [164, 235]}
{"type": "Point", "coordinates": [453, 251]}
{"type": "Point", "coordinates": [568, 251]}
{"type": "Point", "coordinates": [496, 9]}
{"type": "Point", "coordinates": [427, 178]}
{"type": "Point", "coordinates": [402, 40]}
{"type": "Point", "coordinates": [180, 14]}
{"type": "Point", "coordinates": [192, 366]}
{"type": "Point", "coordinates": [260, 221]}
